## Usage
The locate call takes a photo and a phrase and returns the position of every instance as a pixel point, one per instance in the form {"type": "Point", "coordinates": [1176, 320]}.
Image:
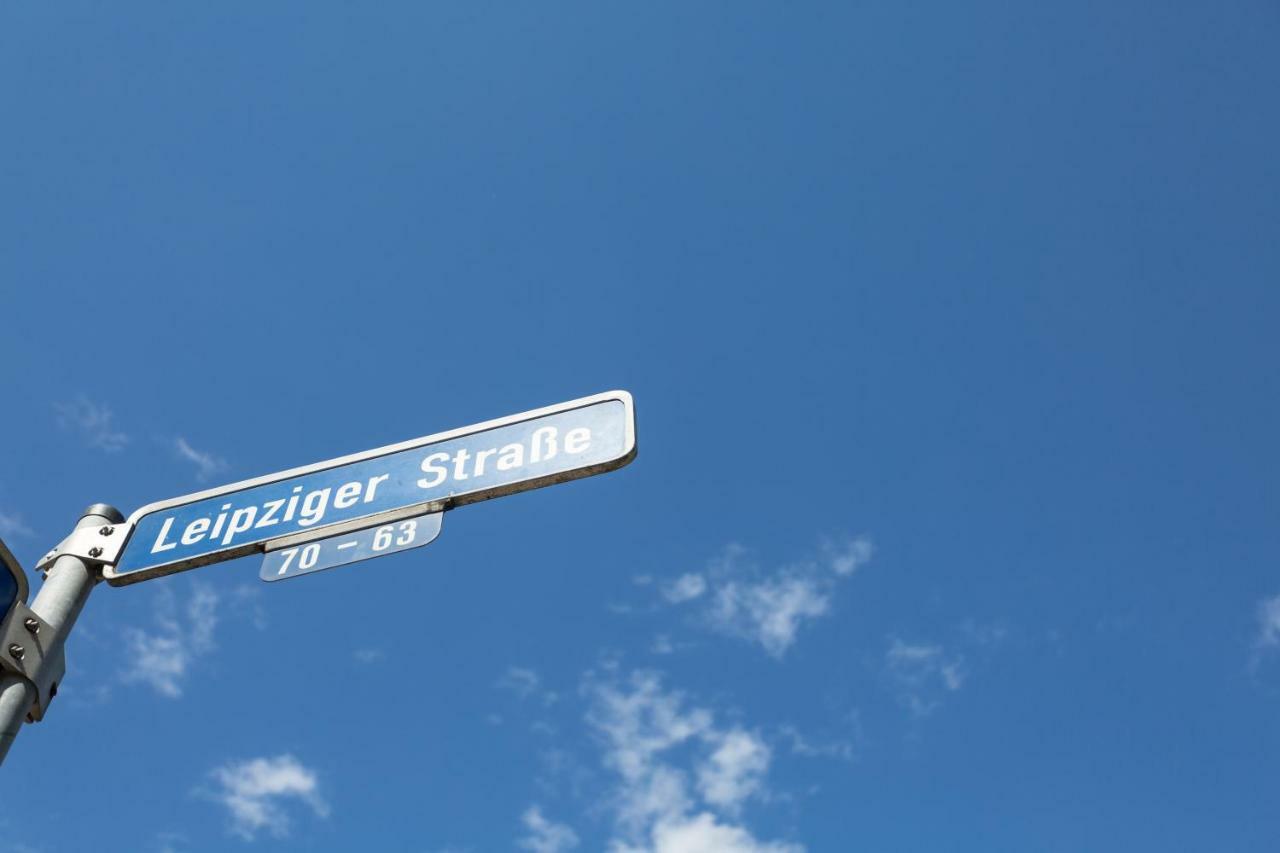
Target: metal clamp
{"type": "Point", "coordinates": [99, 545]}
{"type": "Point", "coordinates": [23, 638]}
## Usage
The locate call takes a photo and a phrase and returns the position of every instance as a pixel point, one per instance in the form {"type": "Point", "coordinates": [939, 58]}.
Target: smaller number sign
{"type": "Point", "coordinates": [351, 547]}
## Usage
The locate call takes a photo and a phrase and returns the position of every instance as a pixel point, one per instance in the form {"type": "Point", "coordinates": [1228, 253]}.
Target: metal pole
{"type": "Point", "coordinates": [17, 695]}
{"type": "Point", "coordinates": [61, 598]}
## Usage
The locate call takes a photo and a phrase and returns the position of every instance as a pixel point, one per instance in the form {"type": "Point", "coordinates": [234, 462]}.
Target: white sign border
{"type": "Point", "coordinates": [439, 505]}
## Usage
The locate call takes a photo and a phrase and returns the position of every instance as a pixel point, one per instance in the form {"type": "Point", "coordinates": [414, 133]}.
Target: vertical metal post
{"type": "Point", "coordinates": [17, 695]}
{"type": "Point", "coordinates": [61, 598]}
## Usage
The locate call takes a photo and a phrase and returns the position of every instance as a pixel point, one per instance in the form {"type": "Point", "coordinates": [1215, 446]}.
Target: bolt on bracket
{"type": "Point", "coordinates": [24, 638]}
{"type": "Point", "coordinates": [98, 545]}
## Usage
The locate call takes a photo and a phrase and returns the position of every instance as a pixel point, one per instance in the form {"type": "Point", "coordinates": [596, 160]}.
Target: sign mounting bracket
{"type": "Point", "coordinates": [96, 545]}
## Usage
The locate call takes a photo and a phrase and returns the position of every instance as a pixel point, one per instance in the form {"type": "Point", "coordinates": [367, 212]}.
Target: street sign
{"type": "Point", "coordinates": [13, 581]}
{"type": "Point", "coordinates": [430, 474]}
{"type": "Point", "coordinates": [321, 554]}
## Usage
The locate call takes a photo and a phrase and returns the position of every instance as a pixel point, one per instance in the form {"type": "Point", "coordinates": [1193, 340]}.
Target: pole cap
{"type": "Point", "coordinates": [106, 511]}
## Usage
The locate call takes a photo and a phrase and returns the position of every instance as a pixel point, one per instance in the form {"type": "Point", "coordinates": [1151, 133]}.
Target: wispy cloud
{"type": "Point", "coordinates": [92, 422]}
{"type": "Point", "coordinates": [11, 524]}
{"type": "Point", "coordinates": [162, 657]}
{"type": "Point", "coordinates": [704, 833]}
{"type": "Point", "coordinates": [525, 682]}
{"type": "Point", "coordinates": [662, 645]}
{"type": "Point", "coordinates": [246, 600]}
{"type": "Point", "coordinates": [769, 611]}
{"type": "Point", "coordinates": [1269, 622]}
{"type": "Point", "coordinates": [687, 587]}
{"type": "Point", "coordinates": [801, 744]}
{"type": "Point", "coordinates": [255, 792]}
{"type": "Point", "coordinates": [737, 597]}
{"type": "Point", "coordinates": [171, 842]}
{"type": "Point", "coordinates": [846, 556]}
{"type": "Point", "coordinates": [206, 464]}
{"type": "Point", "coordinates": [922, 671]}
{"type": "Point", "coordinates": [735, 770]}
{"type": "Point", "coordinates": [682, 780]}
{"type": "Point", "coordinates": [20, 847]}
{"type": "Point", "coordinates": [545, 836]}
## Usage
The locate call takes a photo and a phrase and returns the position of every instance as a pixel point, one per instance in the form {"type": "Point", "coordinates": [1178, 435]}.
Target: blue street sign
{"type": "Point", "coordinates": [438, 472]}
{"type": "Point", "coordinates": [13, 581]}
{"type": "Point", "coordinates": [351, 547]}
{"type": "Point", "coordinates": [8, 591]}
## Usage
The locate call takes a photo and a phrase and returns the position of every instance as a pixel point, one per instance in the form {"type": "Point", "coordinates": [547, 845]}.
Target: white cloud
{"type": "Point", "coordinates": [162, 658]}
{"type": "Point", "coordinates": [206, 463]}
{"type": "Point", "coordinates": [847, 556]}
{"type": "Point", "coordinates": [769, 611]}
{"type": "Point", "coordinates": [739, 599]}
{"type": "Point", "coordinates": [984, 633]}
{"type": "Point", "coordinates": [809, 748]}
{"type": "Point", "coordinates": [735, 771]}
{"type": "Point", "coordinates": [639, 721]}
{"type": "Point", "coordinates": [524, 683]}
{"type": "Point", "coordinates": [658, 747]}
{"type": "Point", "coordinates": [202, 617]}
{"type": "Point", "coordinates": [11, 524]}
{"type": "Point", "coordinates": [247, 601]}
{"type": "Point", "coordinates": [1269, 622]}
{"type": "Point", "coordinates": [520, 680]}
{"type": "Point", "coordinates": [953, 675]}
{"type": "Point", "coordinates": [702, 833]}
{"type": "Point", "coordinates": [685, 588]}
{"type": "Point", "coordinates": [920, 669]}
{"type": "Point", "coordinates": [92, 422]}
{"type": "Point", "coordinates": [171, 842]}
{"type": "Point", "coordinates": [545, 836]}
{"type": "Point", "coordinates": [20, 847]}
{"type": "Point", "coordinates": [254, 793]}
{"type": "Point", "coordinates": [909, 660]}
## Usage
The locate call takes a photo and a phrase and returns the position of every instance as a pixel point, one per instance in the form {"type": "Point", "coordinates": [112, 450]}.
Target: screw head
{"type": "Point", "coordinates": [17, 651]}
{"type": "Point", "coordinates": [107, 531]}
{"type": "Point", "coordinates": [95, 551]}
{"type": "Point", "coordinates": [31, 625]}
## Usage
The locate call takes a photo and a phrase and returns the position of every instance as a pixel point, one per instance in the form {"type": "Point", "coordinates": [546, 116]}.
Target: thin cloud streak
{"type": "Point", "coordinates": [920, 670]}
{"type": "Point", "coordinates": [1269, 622]}
{"type": "Point", "coordinates": [92, 422]}
{"type": "Point", "coordinates": [525, 682]}
{"type": "Point", "coordinates": [11, 524]}
{"type": "Point", "coordinates": [206, 464]}
{"type": "Point", "coordinates": [807, 747]}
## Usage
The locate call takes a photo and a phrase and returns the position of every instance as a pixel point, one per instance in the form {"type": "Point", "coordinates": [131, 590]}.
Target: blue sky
{"type": "Point", "coordinates": [952, 335]}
